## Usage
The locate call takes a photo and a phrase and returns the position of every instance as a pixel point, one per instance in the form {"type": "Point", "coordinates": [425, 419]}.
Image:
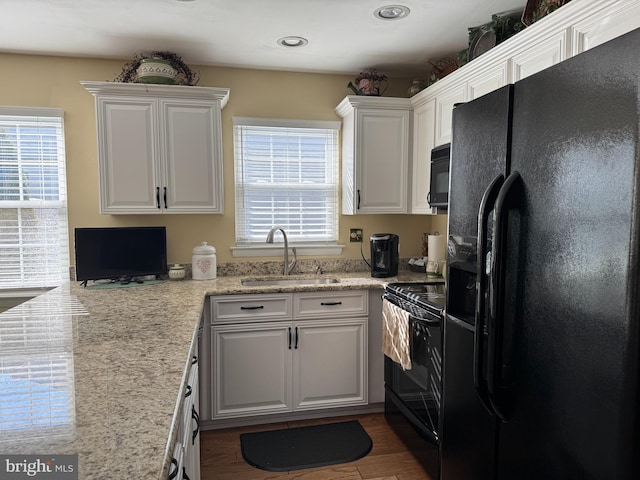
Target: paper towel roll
{"type": "Point", "coordinates": [437, 247]}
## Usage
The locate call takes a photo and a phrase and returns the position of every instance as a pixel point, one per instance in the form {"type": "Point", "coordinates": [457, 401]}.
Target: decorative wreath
{"type": "Point", "coordinates": [185, 76]}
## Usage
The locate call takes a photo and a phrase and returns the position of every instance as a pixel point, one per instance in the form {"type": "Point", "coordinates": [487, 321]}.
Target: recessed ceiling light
{"type": "Point", "coordinates": [392, 12]}
{"type": "Point", "coordinates": [292, 41]}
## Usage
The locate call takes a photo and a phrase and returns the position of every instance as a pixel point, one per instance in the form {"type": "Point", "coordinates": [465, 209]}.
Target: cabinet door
{"type": "Point", "coordinates": [127, 152]}
{"type": "Point", "coordinates": [612, 21]}
{"type": "Point", "coordinates": [547, 52]}
{"type": "Point", "coordinates": [382, 159]}
{"type": "Point", "coordinates": [491, 79]}
{"type": "Point", "coordinates": [329, 364]}
{"type": "Point", "coordinates": [423, 142]}
{"type": "Point", "coordinates": [192, 156]}
{"type": "Point", "coordinates": [444, 111]}
{"type": "Point", "coordinates": [251, 369]}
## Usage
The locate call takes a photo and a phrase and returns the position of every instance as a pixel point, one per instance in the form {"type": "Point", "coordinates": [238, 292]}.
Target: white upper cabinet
{"type": "Point", "coordinates": [545, 53]}
{"type": "Point", "coordinates": [424, 119]}
{"type": "Point", "coordinates": [572, 29]}
{"type": "Point", "coordinates": [491, 79]}
{"type": "Point", "coordinates": [159, 148]}
{"type": "Point", "coordinates": [376, 135]}
{"type": "Point", "coordinates": [612, 19]}
{"type": "Point", "coordinates": [445, 101]}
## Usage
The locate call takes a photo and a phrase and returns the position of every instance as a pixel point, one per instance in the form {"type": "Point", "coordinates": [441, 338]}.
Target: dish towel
{"type": "Point", "coordinates": [395, 334]}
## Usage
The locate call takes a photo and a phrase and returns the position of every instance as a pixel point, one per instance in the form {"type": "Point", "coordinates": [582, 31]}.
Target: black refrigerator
{"type": "Point", "coordinates": [542, 330]}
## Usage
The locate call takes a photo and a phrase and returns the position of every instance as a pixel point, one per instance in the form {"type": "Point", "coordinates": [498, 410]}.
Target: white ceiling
{"type": "Point", "coordinates": [344, 36]}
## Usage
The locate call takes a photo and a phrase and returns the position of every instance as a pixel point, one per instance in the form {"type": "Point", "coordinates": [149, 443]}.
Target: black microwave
{"type": "Point", "coordinates": [439, 181]}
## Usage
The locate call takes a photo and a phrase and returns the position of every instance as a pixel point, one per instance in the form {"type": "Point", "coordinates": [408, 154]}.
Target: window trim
{"type": "Point", "coordinates": [302, 248]}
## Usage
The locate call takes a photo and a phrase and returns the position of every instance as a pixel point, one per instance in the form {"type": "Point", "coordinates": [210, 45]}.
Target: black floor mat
{"type": "Point", "coordinates": [306, 447]}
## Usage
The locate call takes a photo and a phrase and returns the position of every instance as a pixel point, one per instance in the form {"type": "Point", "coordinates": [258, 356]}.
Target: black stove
{"type": "Point", "coordinates": [417, 297]}
{"type": "Point", "coordinates": [413, 395]}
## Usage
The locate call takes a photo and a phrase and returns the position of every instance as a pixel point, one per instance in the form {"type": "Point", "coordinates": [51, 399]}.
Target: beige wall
{"type": "Point", "coordinates": [54, 82]}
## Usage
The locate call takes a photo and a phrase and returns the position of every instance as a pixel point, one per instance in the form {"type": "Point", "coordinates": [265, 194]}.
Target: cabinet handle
{"type": "Point", "coordinates": [289, 338]}
{"type": "Point", "coordinates": [327, 304]}
{"type": "Point", "coordinates": [189, 391]}
{"type": "Point", "coordinates": [165, 197]}
{"type": "Point", "coordinates": [158, 197]}
{"type": "Point", "coordinates": [296, 338]}
{"type": "Point", "coordinates": [358, 207]}
{"type": "Point", "coordinates": [258, 307]}
{"type": "Point", "coordinates": [196, 431]}
{"type": "Point", "coordinates": [173, 473]}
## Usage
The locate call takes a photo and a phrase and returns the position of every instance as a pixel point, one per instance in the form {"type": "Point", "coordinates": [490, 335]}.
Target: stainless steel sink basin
{"type": "Point", "coordinates": [287, 281]}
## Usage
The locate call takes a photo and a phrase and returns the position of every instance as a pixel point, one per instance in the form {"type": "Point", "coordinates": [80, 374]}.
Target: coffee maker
{"type": "Point", "coordinates": [385, 251]}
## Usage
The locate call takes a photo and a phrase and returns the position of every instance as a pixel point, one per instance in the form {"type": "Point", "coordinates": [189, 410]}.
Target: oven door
{"type": "Point", "coordinates": [416, 392]}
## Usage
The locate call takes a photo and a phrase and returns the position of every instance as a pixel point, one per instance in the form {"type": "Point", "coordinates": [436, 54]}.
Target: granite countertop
{"type": "Point", "coordinates": [102, 372]}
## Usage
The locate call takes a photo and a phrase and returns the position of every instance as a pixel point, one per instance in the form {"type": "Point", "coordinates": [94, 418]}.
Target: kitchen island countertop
{"type": "Point", "coordinates": [102, 372]}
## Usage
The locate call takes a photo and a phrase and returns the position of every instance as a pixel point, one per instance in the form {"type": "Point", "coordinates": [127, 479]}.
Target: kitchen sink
{"type": "Point", "coordinates": [287, 281]}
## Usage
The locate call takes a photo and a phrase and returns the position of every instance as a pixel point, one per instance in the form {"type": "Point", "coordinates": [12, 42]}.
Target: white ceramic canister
{"type": "Point", "coordinates": [203, 262]}
{"type": "Point", "coordinates": [176, 272]}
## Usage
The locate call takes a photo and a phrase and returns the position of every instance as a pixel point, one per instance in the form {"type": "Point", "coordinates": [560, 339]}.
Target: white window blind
{"type": "Point", "coordinates": [34, 239]}
{"type": "Point", "coordinates": [286, 174]}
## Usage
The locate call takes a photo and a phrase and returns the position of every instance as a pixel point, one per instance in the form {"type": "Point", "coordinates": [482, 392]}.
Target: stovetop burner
{"type": "Point", "coordinates": [430, 296]}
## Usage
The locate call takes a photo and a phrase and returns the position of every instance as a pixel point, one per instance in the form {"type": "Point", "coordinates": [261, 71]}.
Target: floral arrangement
{"type": "Point", "coordinates": [185, 75]}
{"type": "Point", "coordinates": [369, 82]}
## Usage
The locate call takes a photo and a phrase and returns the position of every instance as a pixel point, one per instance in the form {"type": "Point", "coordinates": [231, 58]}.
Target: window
{"type": "Point", "coordinates": [34, 243]}
{"type": "Point", "coordinates": [286, 174]}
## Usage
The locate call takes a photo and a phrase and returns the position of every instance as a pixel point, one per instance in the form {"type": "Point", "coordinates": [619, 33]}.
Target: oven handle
{"type": "Point", "coordinates": [434, 319]}
{"type": "Point", "coordinates": [486, 205]}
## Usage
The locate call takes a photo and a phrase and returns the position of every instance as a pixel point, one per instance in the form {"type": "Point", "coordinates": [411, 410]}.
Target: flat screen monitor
{"type": "Point", "coordinates": [120, 253]}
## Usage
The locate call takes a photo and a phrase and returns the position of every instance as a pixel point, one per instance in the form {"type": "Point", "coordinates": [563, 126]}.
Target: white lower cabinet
{"type": "Point", "coordinates": [186, 451]}
{"type": "Point", "coordinates": [251, 369]}
{"type": "Point", "coordinates": [317, 358]}
{"type": "Point", "coordinates": [191, 423]}
{"type": "Point", "coordinates": [329, 364]}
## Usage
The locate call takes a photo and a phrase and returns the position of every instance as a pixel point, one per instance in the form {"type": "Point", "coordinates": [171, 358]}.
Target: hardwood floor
{"type": "Point", "coordinates": [389, 459]}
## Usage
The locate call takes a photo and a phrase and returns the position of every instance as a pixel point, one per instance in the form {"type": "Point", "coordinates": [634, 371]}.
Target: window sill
{"type": "Point", "coordinates": [275, 250]}
{"type": "Point", "coordinates": [23, 292]}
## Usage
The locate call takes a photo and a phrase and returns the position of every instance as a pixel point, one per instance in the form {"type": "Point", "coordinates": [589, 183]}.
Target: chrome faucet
{"type": "Point", "coordinates": [287, 267]}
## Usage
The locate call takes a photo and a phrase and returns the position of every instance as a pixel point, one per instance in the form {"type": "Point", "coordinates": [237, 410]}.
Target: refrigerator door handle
{"type": "Point", "coordinates": [495, 348]}
{"type": "Point", "coordinates": [486, 206]}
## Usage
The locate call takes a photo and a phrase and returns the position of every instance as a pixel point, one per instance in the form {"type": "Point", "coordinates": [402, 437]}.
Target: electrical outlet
{"type": "Point", "coordinates": [355, 235]}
